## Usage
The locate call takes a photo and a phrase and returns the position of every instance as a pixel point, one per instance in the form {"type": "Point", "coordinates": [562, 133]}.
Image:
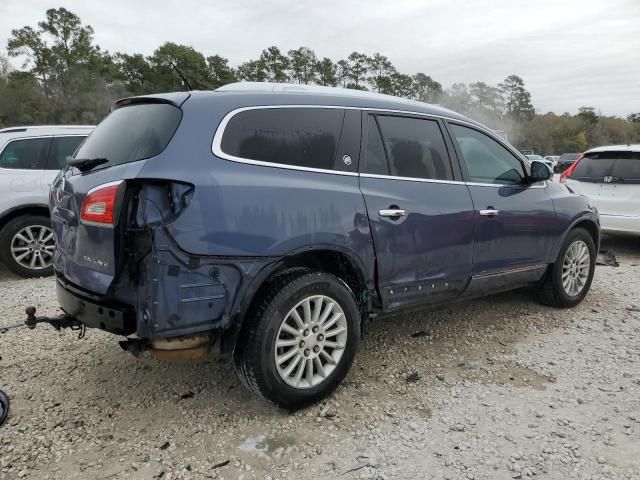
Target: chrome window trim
{"type": "Point", "coordinates": [508, 185]}
{"type": "Point", "coordinates": [410, 179]}
{"type": "Point", "coordinates": [216, 146]}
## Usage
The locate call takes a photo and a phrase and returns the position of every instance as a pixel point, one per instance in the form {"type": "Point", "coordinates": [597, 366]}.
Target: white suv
{"type": "Point", "coordinates": [610, 176]}
{"type": "Point", "coordinates": [30, 158]}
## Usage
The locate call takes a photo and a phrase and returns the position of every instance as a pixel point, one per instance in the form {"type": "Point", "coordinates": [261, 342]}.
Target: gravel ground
{"type": "Point", "coordinates": [495, 388]}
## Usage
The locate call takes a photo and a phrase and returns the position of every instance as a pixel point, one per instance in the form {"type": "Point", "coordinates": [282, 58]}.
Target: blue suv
{"type": "Point", "coordinates": [271, 222]}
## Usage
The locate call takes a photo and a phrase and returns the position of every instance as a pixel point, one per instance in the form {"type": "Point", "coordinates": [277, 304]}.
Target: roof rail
{"type": "Point", "coordinates": [302, 88]}
{"type": "Point", "coordinates": [33, 127]}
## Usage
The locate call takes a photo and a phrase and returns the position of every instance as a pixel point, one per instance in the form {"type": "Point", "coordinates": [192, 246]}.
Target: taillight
{"type": "Point", "coordinates": [567, 173]}
{"type": "Point", "coordinates": [99, 206]}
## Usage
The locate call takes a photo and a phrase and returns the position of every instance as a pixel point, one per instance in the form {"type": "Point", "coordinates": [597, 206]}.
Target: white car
{"type": "Point", "coordinates": [610, 176]}
{"type": "Point", "coordinates": [30, 158]}
{"type": "Point", "coordinates": [540, 158]}
{"type": "Point", "coordinates": [553, 159]}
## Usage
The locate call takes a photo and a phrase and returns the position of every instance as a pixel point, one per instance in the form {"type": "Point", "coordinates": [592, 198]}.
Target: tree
{"type": "Point", "coordinates": [275, 65]}
{"type": "Point", "coordinates": [382, 70]}
{"type": "Point", "coordinates": [220, 73]}
{"type": "Point", "coordinates": [302, 65]}
{"type": "Point", "coordinates": [457, 98]}
{"type": "Point", "coordinates": [343, 72]}
{"type": "Point", "coordinates": [517, 99]}
{"type": "Point", "coordinates": [633, 118]}
{"type": "Point", "coordinates": [74, 75]}
{"type": "Point", "coordinates": [357, 66]}
{"type": "Point", "coordinates": [486, 97]}
{"type": "Point", "coordinates": [135, 71]}
{"type": "Point", "coordinates": [327, 72]}
{"type": "Point", "coordinates": [191, 64]}
{"type": "Point", "coordinates": [588, 115]}
{"type": "Point", "coordinates": [401, 84]}
{"type": "Point", "coordinates": [425, 88]}
{"type": "Point", "coordinates": [253, 71]}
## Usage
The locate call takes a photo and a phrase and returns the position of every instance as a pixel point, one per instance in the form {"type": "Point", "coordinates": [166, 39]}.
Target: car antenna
{"type": "Point", "coordinates": [184, 79]}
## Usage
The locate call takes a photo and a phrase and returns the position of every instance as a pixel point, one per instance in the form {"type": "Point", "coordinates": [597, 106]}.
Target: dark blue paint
{"type": "Point", "coordinates": [243, 220]}
{"type": "Point", "coordinates": [432, 244]}
{"type": "Point", "coordinates": [522, 234]}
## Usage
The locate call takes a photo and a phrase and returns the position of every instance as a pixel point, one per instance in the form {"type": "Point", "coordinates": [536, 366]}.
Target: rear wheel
{"type": "Point", "coordinates": [569, 278]}
{"type": "Point", "coordinates": [302, 340]}
{"type": "Point", "coordinates": [26, 246]}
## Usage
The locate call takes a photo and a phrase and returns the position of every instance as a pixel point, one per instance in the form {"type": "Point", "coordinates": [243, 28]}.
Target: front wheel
{"type": "Point", "coordinates": [568, 280]}
{"type": "Point", "coordinates": [302, 340]}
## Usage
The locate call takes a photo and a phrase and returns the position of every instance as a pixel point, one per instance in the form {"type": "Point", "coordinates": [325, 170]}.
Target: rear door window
{"type": "Point", "coordinates": [132, 133]}
{"type": "Point", "coordinates": [415, 147]}
{"type": "Point", "coordinates": [299, 137]}
{"type": "Point", "coordinates": [61, 148]}
{"type": "Point", "coordinates": [25, 153]}
{"type": "Point", "coordinates": [609, 167]}
{"type": "Point", "coordinates": [487, 160]}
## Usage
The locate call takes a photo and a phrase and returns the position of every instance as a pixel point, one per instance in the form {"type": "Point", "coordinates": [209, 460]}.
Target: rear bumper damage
{"type": "Point", "coordinates": [93, 312]}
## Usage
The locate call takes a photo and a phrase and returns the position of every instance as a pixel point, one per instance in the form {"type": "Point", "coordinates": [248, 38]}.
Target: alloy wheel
{"type": "Point", "coordinates": [575, 268]}
{"type": "Point", "coordinates": [311, 341]}
{"type": "Point", "coordinates": [32, 247]}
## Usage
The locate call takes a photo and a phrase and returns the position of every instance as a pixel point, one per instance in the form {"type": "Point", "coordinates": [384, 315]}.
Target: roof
{"type": "Point", "coordinates": [317, 94]}
{"type": "Point", "coordinates": [616, 148]}
{"type": "Point", "coordinates": [243, 94]}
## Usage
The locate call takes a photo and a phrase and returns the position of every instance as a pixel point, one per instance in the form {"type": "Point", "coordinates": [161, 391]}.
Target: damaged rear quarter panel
{"type": "Point", "coordinates": [240, 219]}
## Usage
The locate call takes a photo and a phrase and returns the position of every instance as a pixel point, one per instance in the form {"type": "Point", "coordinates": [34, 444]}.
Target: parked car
{"type": "Point", "coordinates": [30, 158]}
{"type": "Point", "coordinates": [273, 221]}
{"type": "Point", "coordinates": [565, 161]}
{"type": "Point", "coordinates": [610, 177]}
{"type": "Point", "coordinates": [553, 159]}
{"type": "Point", "coordinates": [539, 158]}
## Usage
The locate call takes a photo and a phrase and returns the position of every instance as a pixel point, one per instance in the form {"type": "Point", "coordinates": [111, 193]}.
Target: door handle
{"type": "Point", "coordinates": [489, 212]}
{"type": "Point", "coordinates": [392, 212]}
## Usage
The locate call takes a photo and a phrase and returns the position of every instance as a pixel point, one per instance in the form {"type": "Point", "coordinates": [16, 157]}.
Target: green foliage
{"type": "Point", "coordinates": [517, 99]}
{"type": "Point", "coordinates": [67, 78]}
{"type": "Point", "coordinates": [275, 65]}
{"type": "Point", "coordinates": [327, 72]}
{"type": "Point", "coordinates": [304, 65]}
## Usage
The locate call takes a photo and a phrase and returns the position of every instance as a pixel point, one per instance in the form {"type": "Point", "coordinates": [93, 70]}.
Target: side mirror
{"type": "Point", "coordinates": [539, 172]}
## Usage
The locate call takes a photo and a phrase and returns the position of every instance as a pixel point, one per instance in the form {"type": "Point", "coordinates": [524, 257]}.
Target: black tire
{"type": "Point", "coordinates": [4, 407]}
{"type": "Point", "coordinates": [6, 236]}
{"type": "Point", "coordinates": [254, 354]}
{"type": "Point", "coordinates": [552, 292]}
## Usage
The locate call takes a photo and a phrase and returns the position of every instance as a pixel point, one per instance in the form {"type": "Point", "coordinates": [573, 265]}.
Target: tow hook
{"type": "Point", "coordinates": [64, 320]}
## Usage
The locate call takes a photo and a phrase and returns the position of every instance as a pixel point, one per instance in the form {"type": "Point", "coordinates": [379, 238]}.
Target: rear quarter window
{"type": "Point", "coordinates": [299, 137]}
{"type": "Point", "coordinates": [131, 133]}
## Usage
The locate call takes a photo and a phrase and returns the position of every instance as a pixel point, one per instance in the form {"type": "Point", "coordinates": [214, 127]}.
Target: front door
{"type": "Point", "coordinates": [514, 220]}
{"type": "Point", "coordinates": [420, 213]}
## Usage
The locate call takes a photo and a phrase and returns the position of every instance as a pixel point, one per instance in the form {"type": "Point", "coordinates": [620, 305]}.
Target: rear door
{"type": "Point", "coordinates": [420, 213]}
{"type": "Point", "coordinates": [612, 180]}
{"type": "Point", "coordinates": [85, 204]}
{"type": "Point", "coordinates": [22, 162]}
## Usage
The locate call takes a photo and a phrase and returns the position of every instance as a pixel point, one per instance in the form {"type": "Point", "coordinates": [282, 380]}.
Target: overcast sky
{"type": "Point", "coordinates": [569, 52]}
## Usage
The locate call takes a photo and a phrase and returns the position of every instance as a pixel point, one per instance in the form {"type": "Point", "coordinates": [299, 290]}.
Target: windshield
{"type": "Point", "coordinates": [132, 133]}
